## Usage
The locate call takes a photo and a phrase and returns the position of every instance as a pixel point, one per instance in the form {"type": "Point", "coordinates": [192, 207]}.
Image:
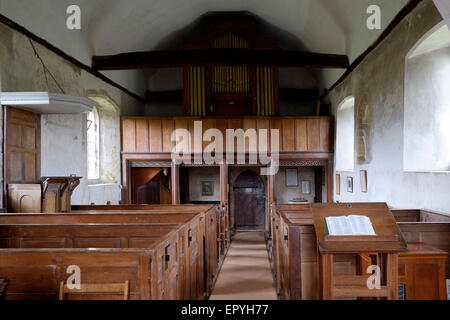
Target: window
{"type": "Point", "coordinates": [93, 138]}
{"type": "Point", "coordinates": [345, 135]}
{"type": "Point", "coordinates": [426, 137]}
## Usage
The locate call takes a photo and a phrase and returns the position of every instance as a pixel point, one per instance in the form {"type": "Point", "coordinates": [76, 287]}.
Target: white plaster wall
{"type": "Point", "coordinates": [63, 150]}
{"type": "Point", "coordinates": [284, 193]}
{"type": "Point", "coordinates": [63, 137]}
{"type": "Point", "coordinates": [378, 83]}
{"type": "Point", "coordinates": [196, 175]}
{"type": "Point", "coordinates": [427, 112]}
{"type": "Point", "coordinates": [102, 193]}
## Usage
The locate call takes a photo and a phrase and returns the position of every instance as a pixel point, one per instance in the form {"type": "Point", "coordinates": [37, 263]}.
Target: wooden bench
{"type": "Point", "coordinates": [37, 273]}
{"type": "Point", "coordinates": [97, 217]}
{"type": "Point", "coordinates": [182, 208]}
{"type": "Point", "coordinates": [191, 248]}
{"type": "Point", "coordinates": [217, 236]}
{"type": "Point", "coordinates": [417, 215]}
{"type": "Point", "coordinates": [295, 259]}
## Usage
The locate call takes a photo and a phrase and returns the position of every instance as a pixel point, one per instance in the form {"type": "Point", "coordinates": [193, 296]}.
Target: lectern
{"type": "Point", "coordinates": [384, 246]}
{"type": "Point", "coordinates": [56, 193]}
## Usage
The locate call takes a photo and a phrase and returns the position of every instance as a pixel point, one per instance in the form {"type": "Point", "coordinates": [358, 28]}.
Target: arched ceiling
{"type": "Point", "coordinates": [116, 26]}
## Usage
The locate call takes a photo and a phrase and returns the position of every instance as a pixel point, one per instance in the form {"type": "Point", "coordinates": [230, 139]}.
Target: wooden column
{"type": "Point", "coordinates": [225, 216]}
{"type": "Point", "coordinates": [223, 184]}
{"type": "Point", "coordinates": [175, 176]}
{"type": "Point", "coordinates": [270, 201]}
{"type": "Point", "coordinates": [329, 180]}
{"type": "Point", "coordinates": [326, 277]}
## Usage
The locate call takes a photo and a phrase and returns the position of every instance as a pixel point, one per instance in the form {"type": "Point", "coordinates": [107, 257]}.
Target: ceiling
{"type": "Point", "coordinates": [116, 26]}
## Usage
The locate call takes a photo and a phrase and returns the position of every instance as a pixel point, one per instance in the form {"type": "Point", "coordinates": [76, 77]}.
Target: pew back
{"type": "Point", "coordinates": [37, 273]}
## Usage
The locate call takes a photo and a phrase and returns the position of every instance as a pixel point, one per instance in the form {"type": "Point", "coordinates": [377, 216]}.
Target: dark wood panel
{"type": "Point", "coordinates": [22, 146]}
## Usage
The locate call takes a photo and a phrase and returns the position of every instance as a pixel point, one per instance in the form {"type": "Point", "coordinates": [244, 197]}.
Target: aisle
{"type": "Point", "coordinates": [246, 273]}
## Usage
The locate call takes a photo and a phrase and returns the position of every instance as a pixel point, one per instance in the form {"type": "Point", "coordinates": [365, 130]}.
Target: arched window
{"type": "Point", "coordinates": [93, 139]}
{"type": "Point", "coordinates": [345, 135]}
{"type": "Point", "coordinates": [427, 103]}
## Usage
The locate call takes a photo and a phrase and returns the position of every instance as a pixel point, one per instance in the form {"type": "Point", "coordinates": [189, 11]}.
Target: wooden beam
{"type": "Point", "coordinates": [215, 57]}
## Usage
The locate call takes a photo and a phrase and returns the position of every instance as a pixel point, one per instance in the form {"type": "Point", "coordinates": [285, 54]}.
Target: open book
{"type": "Point", "coordinates": [352, 225]}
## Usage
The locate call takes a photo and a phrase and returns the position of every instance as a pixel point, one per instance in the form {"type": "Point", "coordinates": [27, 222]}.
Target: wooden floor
{"type": "Point", "coordinates": [246, 273]}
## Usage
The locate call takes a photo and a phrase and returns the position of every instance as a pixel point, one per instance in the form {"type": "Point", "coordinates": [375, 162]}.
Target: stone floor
{"type": "Point", "coordinates": [246, 273]}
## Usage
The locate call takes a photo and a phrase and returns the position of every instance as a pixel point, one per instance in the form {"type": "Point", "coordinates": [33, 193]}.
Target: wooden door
{"type": "Point", "coordinates": [22, 145]}
{"type": "Point", "coordinates": [249, 201]}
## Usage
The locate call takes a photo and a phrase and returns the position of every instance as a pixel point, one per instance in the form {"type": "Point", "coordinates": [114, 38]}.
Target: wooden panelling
{"type": "Point", "coordinates": [153, 135]}
{"type": "Point", "coordinates": [301, 135]}
{"type": "Point", "coordinates": [313, 127]}
{"type": "Point", "coordinates": [129, 135]}
{"type": "Point", "coordinates": [263, 124]}
{"type": "Point", "coordinates": [325, 134]}
{"type": "Point", "coordinates": [167, 129]}
{"type": "Point", "coordinates": [142, 143]}
{"type": "Point", "coordinates": [288, 134]}
{"type": "Point", "coordinates": [155, 131]}
{"type": "Point", "coordinates": [276, 125]}
{"type": "Point", "coordinates": [22, 146]}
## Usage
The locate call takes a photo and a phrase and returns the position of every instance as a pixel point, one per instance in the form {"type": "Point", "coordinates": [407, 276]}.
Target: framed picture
{"type": "Point", "coordinates": [363, 176]}
{"type": "Point", "coordinates": [306, 187]}
{"type": "Point", "coordinates": [291, 178]}
{"type": "Point", "coordinates": [207, 188]}
{"type": "Point", "coordinates": [350, 184]}
{"type": "Point", "coordinates": [338, 184]}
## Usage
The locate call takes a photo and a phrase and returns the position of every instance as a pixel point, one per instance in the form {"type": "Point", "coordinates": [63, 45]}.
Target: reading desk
{"type": "Point", "coordinates": [384, 246]}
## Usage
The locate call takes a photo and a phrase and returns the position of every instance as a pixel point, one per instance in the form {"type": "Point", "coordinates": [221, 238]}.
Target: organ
{"type": "Point", "coordinates": [231, 89]}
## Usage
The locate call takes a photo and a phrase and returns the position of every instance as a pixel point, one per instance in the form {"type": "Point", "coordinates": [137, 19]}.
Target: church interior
{"type": "Point", "coordinates": [225, 150]}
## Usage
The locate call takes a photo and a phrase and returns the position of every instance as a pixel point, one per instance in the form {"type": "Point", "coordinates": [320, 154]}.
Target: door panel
{"type": "Point", "coordinates": [249, 197]}
{"type": "Point", "coordinates": [22, 146]}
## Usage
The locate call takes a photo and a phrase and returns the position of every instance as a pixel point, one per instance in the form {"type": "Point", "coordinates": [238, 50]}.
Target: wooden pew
{"type": "Point", "coordinates": [37, 273]}
{"type": "Point", "coordinates": [416, 215]}
{"type": "Point", "coordinates": [191, 248]}
{"type": "Point", "coordinates": [294, 248]}
{"type": "Point", "coordinates": [436, 234]}
{"type": "Point", "coordinates": [181, 208]}
{"type": "Point", "coordinates": [101, 217]}
{"type": "Point", "coordinates": [212, 232]}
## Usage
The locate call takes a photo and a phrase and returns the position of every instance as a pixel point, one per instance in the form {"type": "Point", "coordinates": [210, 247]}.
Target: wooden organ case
{"type": "Point", "coordinates": [230, 90]}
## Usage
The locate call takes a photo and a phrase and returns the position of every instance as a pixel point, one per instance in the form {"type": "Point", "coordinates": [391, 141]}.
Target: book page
{"type": "Point", "coordinates": [338, 226]}
{"type": "Point", "coordinates": [361, 225]}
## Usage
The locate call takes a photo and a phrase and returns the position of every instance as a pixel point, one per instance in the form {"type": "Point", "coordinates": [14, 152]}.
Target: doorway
{"type": "Point", "coordinates": [249, 201]}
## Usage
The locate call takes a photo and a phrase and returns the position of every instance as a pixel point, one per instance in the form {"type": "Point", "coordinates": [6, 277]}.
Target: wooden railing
{"type": "Point", "coordinates": [153, 135]}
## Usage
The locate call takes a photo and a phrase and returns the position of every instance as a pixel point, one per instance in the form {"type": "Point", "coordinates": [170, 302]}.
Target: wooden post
{"type": "Point", "coordinates": [175, 176]}
{"type": "Point", "coordinates": [329, 180]}
{"type": "Point", "coordinates": [392, 276]}
{"type": "Point", "coordinates": [223, 183]}
{"type": "Point", "coordinates": [327, 283]}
